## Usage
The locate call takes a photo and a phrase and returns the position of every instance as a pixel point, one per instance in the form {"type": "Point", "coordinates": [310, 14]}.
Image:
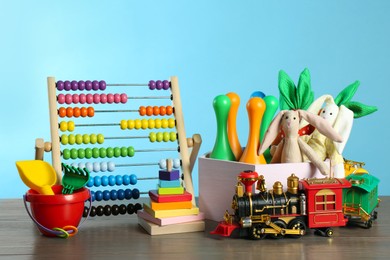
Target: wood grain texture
{"type": "Point", "coordinates": [122, 238]}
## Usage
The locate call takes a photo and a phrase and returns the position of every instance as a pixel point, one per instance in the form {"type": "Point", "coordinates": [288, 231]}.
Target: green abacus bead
{"type": "Point", "coordinates": [117, 152]}
{"type": "Point", "coordinates": [130, 151]}
{"type": "Point", "coordinates": [151, 123]}
{"type": "Point", "coordinates": [157, 123]}
{"type": "Point", "coordinates": [123, 151]}
{"type": "Point", "coordinates": [73, 153]}
{"type": "Point", "coordinates": [66, 154]}
{"type": "Point", "coordinates": [152, 137]}
{"type": "Point", "coordinates": [166, 136]}
{"type": "Point", "coordinates": [88, 153]}
{"type": "Point", "coordinates": [110, 152]}
{"type": "Point", "coordinates": [81, 153]}
{"type": "Point", "coordinates": [95, 152]}
{"type": "Point", "coordinates": [86, 139]}
{"type": "Point", "coordinates": [64, 139]}
{"type": "Point", "coordinates": [93, 138]}
{"type": "Point", "coordinates": [173, 136]}
{"type": "Point", "coordinates": [71, 139]}
{"type": "Point", "coordinates": [164, 123]}
{"type": "Point", "coordinates": [100, 138]}
{"type": "Point", "coordinates": [159, 136]}
{"type": "Point", "coordinates": [102, 152]}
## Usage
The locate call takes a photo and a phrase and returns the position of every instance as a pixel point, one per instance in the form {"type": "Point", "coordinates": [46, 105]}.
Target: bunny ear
{"type": "Point", "coordinates": [343, 125]}
{"type": "Point", "coordinates": [271, 133]}
{"type": "Point", "coordinates": [323, 126]}
{"type": "Point", "coordinates": [316, 106]}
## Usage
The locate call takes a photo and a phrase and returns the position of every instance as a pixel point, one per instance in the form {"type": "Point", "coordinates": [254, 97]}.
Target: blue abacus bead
{"type": "Point", "coordinates": [126, 179]}
{"type": "Point", "coordinates": [98, 195]}
{"type": "Point", "coordinates": [118, 180]}
{"type": "Point", "coordinates": [128, 194]}
{"type": "Point", "coordinates": [162, 163]}
{"type": "Point", "coordinates": [102, 85]}
{"type": "Point", "coordinates": [159, 84]}
{"type": "Point", "coordinates": [111, 166]}
{"type": "Point", "coordinates": [95, 85]}
{"type": "Point", "coordinates": [67, 85]}
{"type": "Point", "coordinates": [60, 85]}
{"type": "Point", "coordinates": [97, 181]}
{"type": "Point", "coordinates": [176, 163]}
{"type": "Point", "coordinates": [166, 84]}
{"type": "Point", "coordinates": [88, 85]}
{"type": "Point", "coordinates": [113, 195]}
{"type": "Point", "coordinates": [74, 85]}
{"type": "Point", "coordinates": [106, 195]}
{"type": "Point", "coordinates": [133, 179]}
{"type": "Point", "coordinates": [81, 84]}
{"type": "Point", "coordinates": [90, 182]}
{"type": "Point", "coordinates": [103, 166]}
{"type": "Point", "coordinates": [121, 194]}
{"type": "Point", "coordinates": [104, 180]}
{"type": "Point", "coordinates": [96, 167]}
{"type": "Point", "coordinates": [92, 196]}
{"type": "Point", "coordinates": [89, 166]}
{"type": "Point", "coordinates": [152, 85]}
{"type": "Point", "coordinates": [111, 180]}
{"type": "Point", "coordinates": [135, 193]}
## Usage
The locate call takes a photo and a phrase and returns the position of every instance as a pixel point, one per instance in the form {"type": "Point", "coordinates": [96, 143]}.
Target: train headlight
{"type": "Point", "coordinates": [246, 222]}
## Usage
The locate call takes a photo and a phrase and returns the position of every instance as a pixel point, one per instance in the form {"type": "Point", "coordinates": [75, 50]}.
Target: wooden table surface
{"type": "Point", "coordinates": [120, 237]}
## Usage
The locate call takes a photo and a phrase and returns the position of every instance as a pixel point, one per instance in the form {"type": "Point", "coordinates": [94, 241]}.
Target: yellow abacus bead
{"type": "Point", "coordinates": [71, 139]}
{"type": "Point", "coordinates": [159, 136]}
{"type": "Point", "coordinates": [166, 136]}
{"type": "Point", "coordinates": [86, 139]}
{"type": "Point", "coordinates": [63, 126]}
{"type": "Point", "coordinates": [100, 138]}
{"type": "Point", "coordinates": [130, 124]}
{"type": "Point", "coordinates": [123, 124]}
{"type": "Point", "coordinates": [79, 139]}
{"type": "Point", "coordinates": [171, 123]}
{"type": "Point", "coordinates": [173, 136]}
{"type": "Point", "coordinates": [152, 137]}
{"type": "Point", "coordinates": [164, 123]}
{"type": "Point", "coordinates": [70, 126]}
{"type": "Point", "coordinates": [93, 139]}
{"type": "Point", "coordinates": [137, 124]}
{"type": "Point", "coordinates": [64, 139]}
{"type": "Point", "coordinates": [151, 123]}
{"type": "Point", "coordinates": [144, 123]}
{"type": "Point", "coordinates": [157, 123]}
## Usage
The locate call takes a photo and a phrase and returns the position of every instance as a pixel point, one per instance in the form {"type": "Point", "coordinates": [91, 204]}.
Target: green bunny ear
{"type": "Point", "coordinates": [346, 94]}
{"type": "Point", "coordinates": [359, 109]}
{"type": "Point", "coordinates": [304, 94]}
{"type": "Point", "coordinates": [287, 91]}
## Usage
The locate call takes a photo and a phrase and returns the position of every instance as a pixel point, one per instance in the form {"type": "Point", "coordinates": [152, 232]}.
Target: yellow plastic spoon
{"type": "Point", "coordinates": [38, 175]}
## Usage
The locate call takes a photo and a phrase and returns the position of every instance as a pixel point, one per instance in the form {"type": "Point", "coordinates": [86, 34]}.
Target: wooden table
{"type": "Point", "coordinates": [121, 237]}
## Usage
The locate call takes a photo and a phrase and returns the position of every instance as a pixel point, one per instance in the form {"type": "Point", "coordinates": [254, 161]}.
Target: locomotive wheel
{"type": "Point", "coordinates": [281, 224]}
{"type": "Point", "coordinates": [255, 232]}
{"type": "Point", "coordinates": [329, 232]}
{"type": "Point", "coordinates": [368, 224]}
{"type": "Point", "coordinates": [297, 224]}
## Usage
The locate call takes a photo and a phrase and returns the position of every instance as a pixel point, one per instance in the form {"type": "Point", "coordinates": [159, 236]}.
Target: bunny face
{"type": "Point", "coordinates": [290, 122]}
{"type": "Point", "coordinates": [330, 112]}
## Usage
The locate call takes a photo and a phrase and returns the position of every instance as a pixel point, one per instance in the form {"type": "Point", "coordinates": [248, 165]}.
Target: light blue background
{"type": "Point", "coordinates": [214, 47]}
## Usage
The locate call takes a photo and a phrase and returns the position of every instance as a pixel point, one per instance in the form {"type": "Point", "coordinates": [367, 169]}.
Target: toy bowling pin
{"type": "Point", "coordinates": [232, 127]}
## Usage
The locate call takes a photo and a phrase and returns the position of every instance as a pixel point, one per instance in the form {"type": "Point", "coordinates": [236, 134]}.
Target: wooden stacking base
{"type": "Point", "coordinates": [171, 220]}
{"type": "Point", "coordinates": [154, 229]}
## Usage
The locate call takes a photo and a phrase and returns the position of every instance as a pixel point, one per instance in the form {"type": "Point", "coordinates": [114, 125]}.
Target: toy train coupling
{"type": "Point", "coordinates": [225, 228]}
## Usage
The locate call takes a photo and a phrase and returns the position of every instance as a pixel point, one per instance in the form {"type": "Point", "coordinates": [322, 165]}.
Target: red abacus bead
{"type": "Point", "coordinates": [91, 111]}
{"type": "Point", "coordinates": [149, 110]}
{"type": "Point", "coordinates": [96, 98]}
{"type": "Point", "coordinates": [169, 110]}
{"type": "Point", "coordinates": [142, 110]}
{"type": "Point", "coordinates": [83, 112]}
{"type": "Point", "coordinates": [89, 98]}
{"type": "Point", "coordinates": [75, 98]}
{"type": "Point", "coordinates": [62, 112]}
{"type": "Point", "coordinates": [74, 85]}
{"type": "Point", "coordinates": [110, 98]}
{"type": "Point", "coordinates": [82, 98]}
{"type": "Point", "coordinates": [103, 98]}
{"type": "Point", "coordinates": [102, 85]}
{"type": "Point", "coordinates": [61, 99]}
{"type": "Point", "coordinates": [117, 98]}
{"type": "Point", "coordinates": [76, 112]}
{"type": "Point", "coordinates": [156, 110]}
{"type": "Point", "coordinates": [69, 112]}
{"type": "Point", "coordinates": [163, 111]}
{"type": "Point", "coordinates": [123, 98]}
{"type": "Point", "coordinates": [68, 99]}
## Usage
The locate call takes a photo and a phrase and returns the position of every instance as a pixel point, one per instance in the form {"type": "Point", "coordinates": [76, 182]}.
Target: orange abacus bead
{"type": "Point", "coordinates": [90, 111]}
{"type": "Point", "coordinates": [69, 112]}
{"type": "Point", "coordinates": [83, 112]}
{"type": "Point", "coordinates": [142, 110]}
{"type": "Point", "coordinates": [149, 110]}
{"type": "Point", "coordinates": [169, 110]}
{"type": "Point", "coordinates": [76, 112]}
{"type": "Point", "coordinates": [62, 112]}
{"type": "Point", "coordinates": [163, 111]}
{"type": "Point", "coordinates": [156, 110]}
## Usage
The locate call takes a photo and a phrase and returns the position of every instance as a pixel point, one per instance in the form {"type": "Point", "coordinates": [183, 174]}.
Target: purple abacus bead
{"type": "Point", "coordinates": [117, 98]}
{"type": "Point", "coordinates": [123, 98]}
{"type": "Point", "coordinates": [166, 84]}
{"type": "Point", "coordinates": [103, 98]}
{"type": "Point", "coordinates": [81, 84]}
{"type": "Point", "coordinates": [102, 85]}
{"type": "Point", "coordinates": [75, 98]}
{"type": "Point", "coordinates": [67, 85]}
{"type": "Point", "coordinates": [152, 85]}
{"type": "Point", "coordinates": [159, 84]}
{"type": "Point", "coordinates": [74, 85]}
{"type": "Point", "coordinates": [68, 99]}
{"type": "Point", "coordinates": [88, 85]}
{"type": "Point", "coordinates": [82, 98]}
{"type": "Point", "coordinates": [96, 98]}
{"type": "Point", "coordinates": [110, 98]}
{"type": "Point", "coordinates": [61, 98]}
{"type": "Point", "coordinates": [95, 85]}
{"type": "Point", "coordinates": [89, 98]}
{"type": "Point", "coordinates": [60, 85]}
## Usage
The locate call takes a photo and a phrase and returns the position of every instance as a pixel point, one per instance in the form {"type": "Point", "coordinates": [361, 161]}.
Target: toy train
{"type": "Point", "coordinates": [318, 204]}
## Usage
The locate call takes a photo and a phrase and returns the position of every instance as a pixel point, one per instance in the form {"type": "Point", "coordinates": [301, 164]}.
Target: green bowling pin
{"type": "Point", "coordinates": [272, 105]}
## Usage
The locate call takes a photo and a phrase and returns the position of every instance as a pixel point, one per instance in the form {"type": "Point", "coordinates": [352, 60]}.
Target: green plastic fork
{"type": "Point", "coordinates": [74, 178]}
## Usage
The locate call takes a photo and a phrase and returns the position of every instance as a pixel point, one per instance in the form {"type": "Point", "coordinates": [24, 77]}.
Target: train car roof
{"type": "Point", "coordinates": [325, 183]}
{"type": "Point", "coordinates": [366, 182]}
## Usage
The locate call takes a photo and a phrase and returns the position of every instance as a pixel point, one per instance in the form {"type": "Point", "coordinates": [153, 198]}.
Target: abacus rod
{"type": "Point", "coordinates": [156, 150]}
{"type": "Point", "coordinates": [107, 124]}
{"type": "Point", "coordinates": [151, 97]}
{"type": "Point", "coordinates": [127, 85]}
{"type": "Point", "coordinates": [125, 137]}
{"type": "Point", "coordinates": [113, 111]}
{"type": "Point", "coordinates": [135, 164]}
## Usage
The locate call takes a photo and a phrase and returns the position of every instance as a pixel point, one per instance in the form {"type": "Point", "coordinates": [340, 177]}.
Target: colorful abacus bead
{"type": "Point", "coordinates": [162, 136]}
{"type": "Point", "coordinates": [96, 152]}
{"type": "Point", "coordinates": [175, 163]}
{"type": "Point", "coordinates": [155, 110]}
{"type": "Point", "coordinates": [113, 194]}
{"type": "Point", "coordinates": [114, 210]}
{"type": "Point", "coordinates": [66, 126]}
{"type": "Point", "coordinates": [76, 112]}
